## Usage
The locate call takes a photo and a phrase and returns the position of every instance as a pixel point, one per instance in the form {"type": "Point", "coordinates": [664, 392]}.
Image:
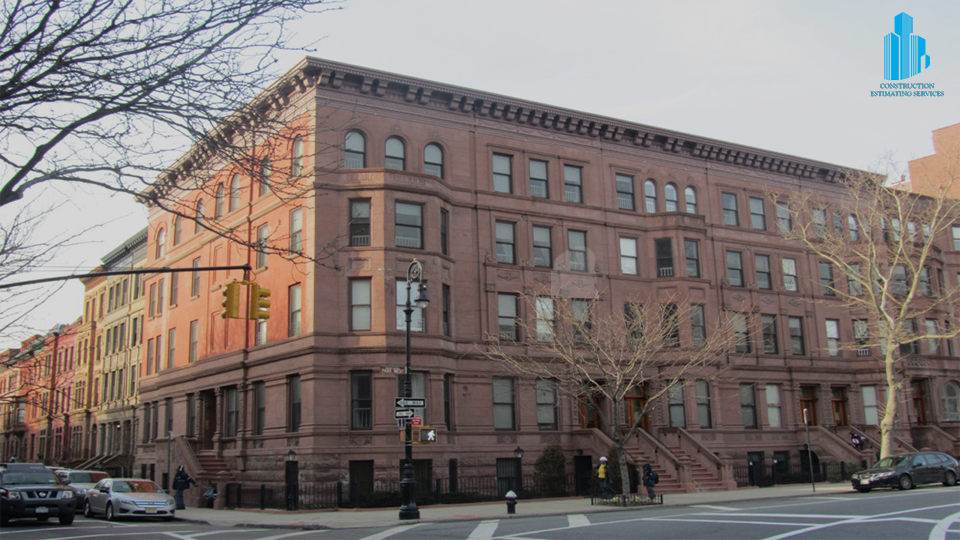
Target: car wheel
{"type": "Point", "coordinates": [87, 511]}
{"type": "Point", "coordinates": [66, 519]}
{"type": "Point", "coordinates": [863, 489]}
{"type": "Point", "coordinates": [109, 512]}
{"type": "Point", "coordinates": [950, 479]}
{"type": "Point", "coordinates": [905, 482]}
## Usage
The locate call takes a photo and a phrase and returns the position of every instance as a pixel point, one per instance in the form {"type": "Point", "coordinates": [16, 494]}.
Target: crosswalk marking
{"type": "Point", "coordinates": [578, 520]}
{"type": "Point", "coordinates": [712, 507]}
{"type": "Point", "coordinates": [390, 532]}
{"type": "Point", "coordinates": [484, 530]}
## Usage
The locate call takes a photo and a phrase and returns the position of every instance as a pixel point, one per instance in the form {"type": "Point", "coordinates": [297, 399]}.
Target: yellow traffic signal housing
{"type": "Point", "coordinates": [259, 302]}
{"type": "Point", "coordinates": [426, 435]}
{"type": "Point", "coordinates": [231, 301]}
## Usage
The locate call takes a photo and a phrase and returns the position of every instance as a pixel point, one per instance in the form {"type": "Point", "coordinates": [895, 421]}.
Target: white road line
{"type": "Point", "coordinates": [861, 519]}
{"type": "Point", "coordinates": [198, 535]}
{"type": "Point", "coordinates": [292, 534]}
{"type": "Point", "coordinates": [578, 520]}
{"type": "Point", "coordinates": [139, 533]}
{"type": "Point", "coordinates": [484, 530]}
{"type": "Point", "coordinates": [942, 527]}
{"type": "Point", "coordinates": [731, 521]}
{"type": "Point", "coordinates": [712, 507]}
{"type": "Point", "coordinates": [390, 532]}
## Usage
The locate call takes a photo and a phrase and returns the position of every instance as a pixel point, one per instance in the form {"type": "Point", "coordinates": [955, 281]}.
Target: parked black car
{"type": "Point", "coordinates": [30, 490]}
{"type": "Point", "coordinates": [903, 471]}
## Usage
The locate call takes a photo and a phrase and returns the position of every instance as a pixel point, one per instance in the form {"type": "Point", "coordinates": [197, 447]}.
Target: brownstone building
{"type": "Point", "coordinates": [495, 196]}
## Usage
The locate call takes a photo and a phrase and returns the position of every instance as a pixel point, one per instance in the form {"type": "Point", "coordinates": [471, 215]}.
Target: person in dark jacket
{"type": "Point", "coordinates": [649, 480]}
{"type": "Point", "coordinates": [181, 481]}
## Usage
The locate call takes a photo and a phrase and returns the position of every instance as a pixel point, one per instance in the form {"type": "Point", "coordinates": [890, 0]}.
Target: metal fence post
{"type": "Point", "coordinates": [263, 496]}
{"type": "Point", "coordinates": [339, 494]}
{"type": "Point", "coordinates": [439, 486]}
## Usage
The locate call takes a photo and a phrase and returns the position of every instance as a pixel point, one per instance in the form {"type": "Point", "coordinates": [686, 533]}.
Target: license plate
{"type": "Point", "coordinates": [864, 482]}
{"type": "Point", "coordinates": [43, 510]}
{"type": "Point", "coordinates": [151, 510]}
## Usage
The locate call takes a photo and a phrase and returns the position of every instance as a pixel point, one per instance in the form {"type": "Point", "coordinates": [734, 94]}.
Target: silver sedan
{"type": "Point", "coordinates": [128, 497]}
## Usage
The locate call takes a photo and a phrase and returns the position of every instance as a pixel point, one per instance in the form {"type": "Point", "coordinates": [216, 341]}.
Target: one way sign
{"type": "Point", "coordinates": [403, 413]}
{"type": "Point", "coordinates": [403, 403]}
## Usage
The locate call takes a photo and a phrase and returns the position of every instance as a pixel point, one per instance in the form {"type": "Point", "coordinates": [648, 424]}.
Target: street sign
{"type": "Point", "coordinates": [417, 421]}
{"type": "Point", "coordinates": [403, 413]}
{"type": "Point", "coordinates": [392, 369]}
{"type": "Point", "coordinates": [403, 402]}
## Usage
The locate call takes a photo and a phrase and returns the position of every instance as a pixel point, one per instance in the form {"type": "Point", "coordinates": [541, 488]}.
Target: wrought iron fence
{"type": "Point", "coordinates": [793, 473]}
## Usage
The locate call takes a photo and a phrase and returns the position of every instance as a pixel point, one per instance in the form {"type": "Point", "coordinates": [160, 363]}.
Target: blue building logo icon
{"type": "Point", "coordinates": [904, 53]}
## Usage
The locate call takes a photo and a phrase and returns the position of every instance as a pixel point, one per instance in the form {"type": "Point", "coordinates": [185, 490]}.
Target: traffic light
{"type": "Point", "coordinates": [259, 302]}
{"type": "Point", "coordinates": [231, 301]}
{"type": "Point", "coordinates": [428, 435]}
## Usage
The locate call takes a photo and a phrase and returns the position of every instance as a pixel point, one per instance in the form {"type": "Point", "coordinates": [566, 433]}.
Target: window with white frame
{"type": "Point", "coordinates": [539, 185]}
{"type": "Point", "coordinates": [573, 183]}
{"type": "Point", "coordinates": [577, 250]}
{"type": "Point", "coordinates": [409, 225]}
{"type": "Point", "coordinates": [670, 197]}
{"type": "Point", "coordinates": [506, 242]}
{"type": "Point", "coordinates": [503, 403]}
{"type": "Point", "coordinates": [758, 216]}
{"type": "Point", "coordinates": [360, 304]}
{"type": "Point", "coordinates": [416, 316]}
{"type": "Point", "coordinates": [624, 184]}
{"type": "Point", "coordinates": [263, 237]}
{"type": "Point", "coordinates": [544, 319]}
{"type": "Point", "coordinates": [833, 337]}
{"type": "Point", "coordinates": [789, 269]}
{"type": "Point", "coordinates": [507, 317]}
{"type": "Point", "coordinates": [294, 302]}
{"type": "Point", "coordinates": [690, 197]}
{"type": "Point", "coordinates": [871, 407]}
{"type": "Point", "coordinates": [628, 256]}
{"type": "Point", "coordinates": [502, 173]}
{"type": "Point", "coordinates": [546, 404]}
{"type": "Point", "coordinates": [296, 230]}
{"type": "Point", "coordinates": [950, 401]}
{"type": "Point", "coordinates": [704, 417]}
{"type": "Point", "coordinates": [774, 418]}
{"type": "Point", "coordinates": [542, 247]}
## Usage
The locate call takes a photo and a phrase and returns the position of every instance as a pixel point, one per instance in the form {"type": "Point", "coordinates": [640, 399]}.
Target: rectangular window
{"type": "Point", "coordinates": [503, 403]}
{"type": "Point", "coordinates": [741, 333]}
{"type": "Point", "coordinates": [698, 325]}
{"type": "Point", "coordinates": [833, 337]}
{"type": "Point", "coordinates": [789, 269]}
{"type": "Point", "coordinates": [194, 279]}
{"type": "Point", "coordinates": [409, 227]}
{"type": "Point", "coordinates": [735, 268]}
{"type": "Point", "coordinates": [691, 250]}
{"type": "Point", "coordinates": [581, 320]}
{"type": "Point", "coordinates": [748, 406]}
{"type": "Point", "coordinates": [360, 306]}
{"type": "Point", "coordinates": [160, 289]}
{"type": "Point", "coordinates": [296, 230]}
{"type": "Point", "coordinates": [293, 303]}
{"type": "Point", "coordinates": [174, 289]}
{"type": "Point", "coordinates": [625, 199]}
{"type": "Point", "coordinates": [545, 319]}
{"type": "Point", "coordinates": [956, 237]}
{"type": "Point", "coordinates": [158, 354]}
{"type": "Point", "coordinates": [628, 256]}
{"type": "Point", "coordinates": [898, 280]}
{"type": "Point", "coordinates": [146, 423]}
{"type": "Point", "coordinates": [194, 339]}
{"type": "Point", "coordinates": [797, 344]}
{"type": "Point", "coordinates": [573, 183]}
{"type": "Point", "coordinates": [502, 173]}
{"type": "Point", "coordinates": [762, 265]}
{"type": "Point", "coordinates": [853, 228]}
{"type": "Point", "coordinates": [507, 320]}
{"type": "Point", "coordinates": [360, 223]}
{"type": "Point", "coordinates": [923, 281]}
{"type": "Point", "coordinates": [827, 285]}
{"type": "Point", "coordinates": [447, 401]}
{"type": "Point", "coordinates": [263, 237]}
{"type": "Point", "coordinates": [149, 356]}
{"type": "Point", "coordinates": [871, 416]}
{"type": "Point", "coordinates": [577, 245]}
{"type": "Point", "coordinates": [677, 410]}
{"type": "Point", "coordinates": [704, 417]}
{"type": "Point", "coordinates": [168, 414]}
{"type": "Point", "coordinates": [445, 289]}
{"type": "Point", "coordinates": [153, 300]}
{"type": "Point", "coordinates": [670, 322]}
{"type": "Point", "coordinates": [259, 407]}
{"type": "Point", "coordinates": [855, 280]}
{"type": "Point", "coordinates": [773, 406]}
{"type": "Point", "coordinates": [819, 222]}
{"type": "Point", "coordinates": [932, 329]}
{"type": "Point", "coordinates": [416, 317]}
{"type": "Point", "coordinates": [909, 326]}
{"type": "Point", "coordinates": [293, 403]}
{"type": "Point", "coordinates": [861, 336]}
{"type": "Point", "coordinates": [506, 243]}
{"type": "Point", "coordinates": [546, 405]}
{"type": "Point", "coordinates": [444, 232]}
{"type": "Point", "coordinates": [361, 400]}
{"type": "Point", "coordinates": [730, 215]}
{"type": "Point", "coordinates": [784, 217]}
{"type": "Point", "coordinates": [758, 216]}
{"type": "Point", "coordinates": [542, 247]}
{"type": "Point", "coordinates": [771, 344]}
{"type": "Point", "coordinates": [171, 347]}
{"type": "Point", "coordinates": [191, 415]}
{"type": "Point", "coordinates": [663, 248]}
{"type": "Point", "coordinates": [538, 179]}
{"type": "Point", "coordinates": [232, 411]}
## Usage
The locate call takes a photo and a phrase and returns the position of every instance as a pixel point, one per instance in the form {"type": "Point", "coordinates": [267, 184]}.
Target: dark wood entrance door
{"type": "Point", "coordinates": [208, 422]}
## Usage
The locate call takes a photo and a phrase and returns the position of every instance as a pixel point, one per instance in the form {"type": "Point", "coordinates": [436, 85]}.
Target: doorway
{"type": "Point", "coordinates": [208, 422]}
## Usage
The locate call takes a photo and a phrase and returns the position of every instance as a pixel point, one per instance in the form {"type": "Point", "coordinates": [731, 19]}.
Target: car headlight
{"type": "Point", "coordinates": [9, 495]}
{"type": "Point", "coordinates": [66, 494]}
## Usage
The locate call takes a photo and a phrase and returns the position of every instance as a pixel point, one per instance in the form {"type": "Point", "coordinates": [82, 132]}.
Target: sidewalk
{"type": "Point", "coordinates": [385, 517]}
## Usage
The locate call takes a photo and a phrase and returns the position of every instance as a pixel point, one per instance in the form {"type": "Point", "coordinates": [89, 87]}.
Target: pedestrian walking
{"type": "Point", "coordinates": [856, 441]}
{"type": "Point", "coordinates": [650, 479]}
{"type": "Point", "coordinates": [606, 490]}
{"type": "Point", "coordinates": [181, 481]}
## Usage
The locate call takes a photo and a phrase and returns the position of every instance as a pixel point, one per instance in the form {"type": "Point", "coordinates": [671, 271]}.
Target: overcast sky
{"type": "Point", "coordinates": [789, 76]}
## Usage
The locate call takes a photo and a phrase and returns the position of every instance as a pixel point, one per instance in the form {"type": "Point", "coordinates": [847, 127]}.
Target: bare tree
{"type": "Point", "coordinates": [884, 243]}
{"type": "Point", "coordinates": [592, 351]}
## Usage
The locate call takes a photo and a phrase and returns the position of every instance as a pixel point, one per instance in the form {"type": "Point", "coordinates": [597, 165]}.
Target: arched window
{"type": "Point", "coordinates": [161, 238]}
{"type": "Point", "coordinates": [218, 211]}
{"type": "Point", "coordinates": [354, 150]}
{"type": "Point", "coordinates": [266, 169]}
{"type": "Point", "coordinates": [650, 194]}
{"type": "Point", "coordinates": [394, 154]}
{"type": "Point", "coordinates": [296, 156]}
{"type": "Point", "coordinates": [235, 193]}
{"type": "Point", "coordinates": [196, 224]}
{"type": "Point", "coordinates": [177, 229]}
{"type": "Point", "coordinates": [670, 197]}
{"type": "Point", "coordinates": [433, 160]}
{"type": "Point", "coordinates": [950, 400]}
{"type": "Point", "coordinates": [690, 197]}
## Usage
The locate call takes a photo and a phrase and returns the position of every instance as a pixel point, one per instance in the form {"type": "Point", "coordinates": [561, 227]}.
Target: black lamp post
{"type": "Point", "coordinates": [408, 486]}
{"type": "Point", "coordinates": [292, 473]}
{"type": "Point", "coordinates": [519, 453]}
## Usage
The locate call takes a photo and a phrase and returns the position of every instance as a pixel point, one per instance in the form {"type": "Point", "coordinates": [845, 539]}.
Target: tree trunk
{"type": "Point", "coordinates": [890, 409]}
{"type": "Point", "coordinates": [621, 447]}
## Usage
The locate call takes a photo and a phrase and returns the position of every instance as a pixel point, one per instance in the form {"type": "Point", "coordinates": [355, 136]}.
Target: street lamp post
{"type": "Point", "coordinates": [408, 486]}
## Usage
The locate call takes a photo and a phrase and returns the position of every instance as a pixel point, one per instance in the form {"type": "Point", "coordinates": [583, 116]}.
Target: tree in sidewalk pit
{"type": "Point", "coordinates": [106, 93]}
{"type": "Point", "coordinates": [618, 360]}
{"type": "Point", "coordinates": [879, 251]}
{"type": "Point", "coordinates": [549, 472]}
